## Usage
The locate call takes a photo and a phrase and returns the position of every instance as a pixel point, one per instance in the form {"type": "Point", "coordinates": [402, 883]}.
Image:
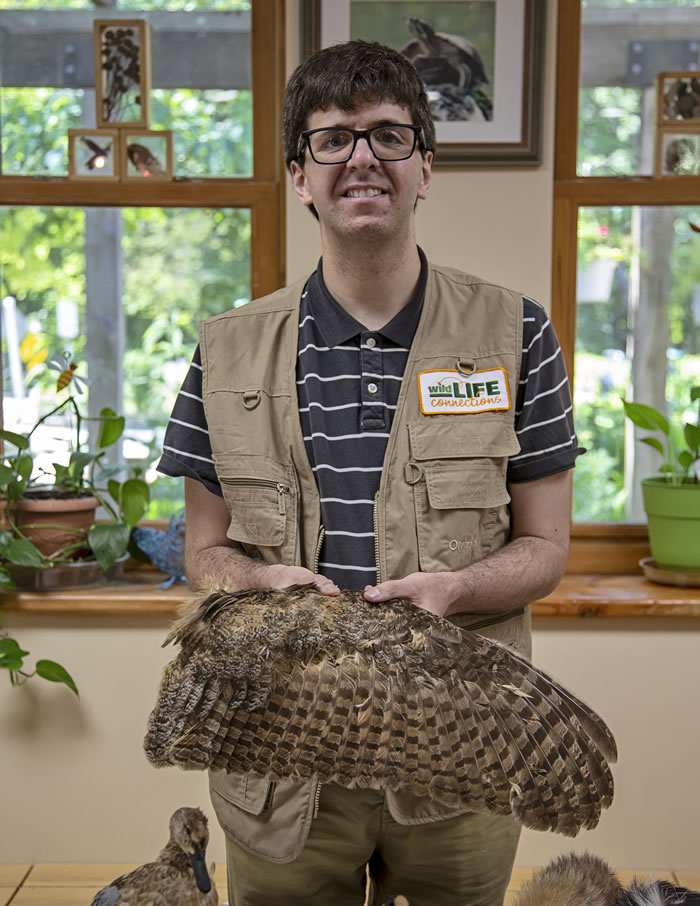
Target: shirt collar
{"type": "Point", "coordinates": [337, 326]}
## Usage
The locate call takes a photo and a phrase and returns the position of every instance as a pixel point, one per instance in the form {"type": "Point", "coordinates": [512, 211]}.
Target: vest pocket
{"type": "Point", "coordinates": [270, 820]}
{"type": "Point", "coordinates": [261, 498]}
{"type": "Point", "coordinates": [458, 512]}
{"type": "Point", "coordinates": [459, 488]}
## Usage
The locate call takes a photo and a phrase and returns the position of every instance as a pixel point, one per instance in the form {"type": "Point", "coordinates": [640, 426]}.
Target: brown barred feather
{"type": "Point", "coordinates": [294, 685]}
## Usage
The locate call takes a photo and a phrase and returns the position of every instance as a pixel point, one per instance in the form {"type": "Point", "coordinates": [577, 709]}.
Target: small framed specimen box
{"type": "Point", "coordinates": [678, 123]}
{"type": "Point", "coordinates": [677, 153]}
{"type": "Point", "coordinates": [93, 154]}
{"type": "Point", "coordinates": [122, 72]}
{"type": "Point", "coordinates": [146, 154]}
{"type": "Point", "coordinates": [678, 99]}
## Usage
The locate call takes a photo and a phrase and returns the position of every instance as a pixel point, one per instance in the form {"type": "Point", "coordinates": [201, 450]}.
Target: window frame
{"type": "Point", "coordinates": [263, 193]}
{"type": "Point", "coordinates": [596, 547]}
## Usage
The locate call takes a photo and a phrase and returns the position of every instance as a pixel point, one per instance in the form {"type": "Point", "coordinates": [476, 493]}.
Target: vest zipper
{"type": "Point", "coordinates": [375, 521]}
{"type": "Point", "coordinates": [317, 557]}
{"type": "Point", "coordinates": [282, 489]}
{"type": "Point", "coordinates": [319, 545]}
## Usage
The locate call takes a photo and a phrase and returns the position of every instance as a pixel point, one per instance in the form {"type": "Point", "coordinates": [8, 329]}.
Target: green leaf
{"type": "Point", "coordinates": [135, 497]}
{"type": "Point", "coordinates": [15, 489]}
{"type": "Point", "coordinates": [23, 553]}
{"type": "Point", "coordinates": [6, 474]}
{"type": "Point", "coordinates": [694, 394]}
{"type": "Point", "coordinates": [692, 436]}
{"type": "Point", "coordinates": [114, 488]}
{"type": "Point", "coordinates": [6, 580]}
{"type": "Point", "coordinates": [111, 427]}
{"type": "Point", "coordinates": [25, 465]}
{"type": "Point", "coordinates": [11, 655]}
{"type": "Point", "coordinates": [685, 459]}
{"type": "Point", "coordinates": [646, 417]}
{"type": "Point", "coordinates": [50, 670]}
{"type": "Point", "coordinates": [19, 440]}
{"type": "Point", "coordinates": [655, 443]}
{"type": "Point", "coordinates": [108, 541]}
{"type": "Point", "coordinates": [78, 461]}
{"type": "Point", "coordinates": [61, 473]}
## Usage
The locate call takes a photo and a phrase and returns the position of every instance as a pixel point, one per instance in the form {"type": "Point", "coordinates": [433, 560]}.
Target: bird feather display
{"type": "Point", "coordinates": [165, 549]}
{"type": "Point", "coordinates": [178, 877]}
{"type": "Point", "coordinates": [293, 684]}
{"type": "Point", "coordinates": [582, 879]}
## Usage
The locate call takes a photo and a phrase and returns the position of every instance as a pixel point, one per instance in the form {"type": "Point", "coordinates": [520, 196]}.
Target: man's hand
{"type": "Point", "coordinates": [277, 575]}
{"type": "Point", "coordinates": [431, 591]}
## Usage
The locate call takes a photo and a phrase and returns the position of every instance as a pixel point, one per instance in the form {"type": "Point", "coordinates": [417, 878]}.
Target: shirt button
{"type": "Point", "coordinates": [371, 342]}
{"type": "Point", "coordinates": [372, 388]}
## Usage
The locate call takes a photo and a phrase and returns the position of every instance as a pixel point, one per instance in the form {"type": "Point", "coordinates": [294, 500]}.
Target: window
{"type": "Point", "coordinates": [119, 273]}
{"type": "Point", "coordinates": [626, 277]}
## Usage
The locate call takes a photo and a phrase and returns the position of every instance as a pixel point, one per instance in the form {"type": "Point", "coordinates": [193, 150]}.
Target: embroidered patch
{"type": "Point", "coordinates": [455, 393]}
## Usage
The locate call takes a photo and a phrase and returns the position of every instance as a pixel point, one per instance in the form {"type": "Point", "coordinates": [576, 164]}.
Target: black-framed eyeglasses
{"type": "Point", "coordinates": [336, 145]}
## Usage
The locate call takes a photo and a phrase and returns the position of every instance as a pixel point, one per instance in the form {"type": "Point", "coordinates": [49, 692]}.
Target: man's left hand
{"type": "Point", "coordinates": [431, 591]}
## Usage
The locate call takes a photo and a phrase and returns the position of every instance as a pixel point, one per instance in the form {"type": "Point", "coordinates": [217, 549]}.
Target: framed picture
{"type": "Point", "coordinates": [146, 154]}
{"type": "Point", "coordinates": [678, 99]}
{"type": "Point", "coordinates": [93, 154]}
{"type": "Point", "coordinates": [122, 72]}
{"type": "Point", "coordinates": [677, 152]}
{"type": "Point", "coordinates": [481, 62]}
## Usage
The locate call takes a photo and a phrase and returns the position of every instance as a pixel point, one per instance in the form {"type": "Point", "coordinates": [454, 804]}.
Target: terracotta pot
{"type": "Point", "coordinates": [50, 522]}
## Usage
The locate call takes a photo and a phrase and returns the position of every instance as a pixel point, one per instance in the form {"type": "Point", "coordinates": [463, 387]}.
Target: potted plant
{"type": "Point", "coordinates": [672, 499]}
{"type": "Point", "coordinates": [38, 503]}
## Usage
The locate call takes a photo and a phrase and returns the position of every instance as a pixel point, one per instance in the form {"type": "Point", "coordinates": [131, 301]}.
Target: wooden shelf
{"type": "Point", "coordinates": [609, 595]}
{"type": "Point", "coordinates": [578, 595]}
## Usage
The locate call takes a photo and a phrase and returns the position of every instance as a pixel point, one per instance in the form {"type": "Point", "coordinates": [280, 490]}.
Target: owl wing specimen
{"type": "Point", "coordinates": [292, 684]}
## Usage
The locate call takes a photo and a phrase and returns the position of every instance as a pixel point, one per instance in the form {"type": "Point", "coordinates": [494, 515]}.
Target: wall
{"type": "Point", "coordinates": [74, 783]}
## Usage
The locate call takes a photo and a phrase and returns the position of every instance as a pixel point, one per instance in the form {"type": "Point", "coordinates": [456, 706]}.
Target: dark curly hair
{"type": "Point", "coordinates": [348, 74]}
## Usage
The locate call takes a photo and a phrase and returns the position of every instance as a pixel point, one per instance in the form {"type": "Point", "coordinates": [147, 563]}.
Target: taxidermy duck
{"type": "Point", "coordinates": [179, 875]}
{"type": "Point", "coordinates": [292, 684]}
{"type": "Point", "coordinates": [581, 879]}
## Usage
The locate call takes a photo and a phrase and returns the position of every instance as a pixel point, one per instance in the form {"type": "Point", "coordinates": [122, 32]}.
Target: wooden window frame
{"type": "Point", "coordinates": [262, 194]}
{"type": "Point", "coordinates": [596, 547]}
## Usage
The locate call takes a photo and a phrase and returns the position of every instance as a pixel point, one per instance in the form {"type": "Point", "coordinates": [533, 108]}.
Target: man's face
{"type": "Point", "coordinates": [363, 195]}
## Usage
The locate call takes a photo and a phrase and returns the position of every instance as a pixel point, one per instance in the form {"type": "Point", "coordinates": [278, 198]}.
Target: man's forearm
{"type": "Point", "coordinates": [228, 566]}
{"type": "Point", "coordinates": [523, 571]}
{"type": "Point", "coordinates": [231, 568]}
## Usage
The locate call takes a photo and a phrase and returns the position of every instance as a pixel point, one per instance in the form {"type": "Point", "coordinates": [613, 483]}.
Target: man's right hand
{"type": "Point", "coordinates": [276, 575]}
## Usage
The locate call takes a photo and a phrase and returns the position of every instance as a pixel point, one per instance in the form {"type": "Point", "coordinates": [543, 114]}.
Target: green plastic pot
{"type": "Point", "coordinates": [673, 516]}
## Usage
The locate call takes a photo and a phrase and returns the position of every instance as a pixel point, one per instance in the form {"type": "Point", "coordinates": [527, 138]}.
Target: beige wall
{"type": "Point", "coordinates": [74, 783]}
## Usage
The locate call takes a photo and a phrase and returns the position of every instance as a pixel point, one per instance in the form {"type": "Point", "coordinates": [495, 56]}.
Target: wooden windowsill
{"type": "Point", "coordinates": [578, 595]}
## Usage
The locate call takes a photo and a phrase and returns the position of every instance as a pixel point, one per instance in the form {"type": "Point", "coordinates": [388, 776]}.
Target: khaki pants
{"type": "Point", "coordinates": [462, 861]}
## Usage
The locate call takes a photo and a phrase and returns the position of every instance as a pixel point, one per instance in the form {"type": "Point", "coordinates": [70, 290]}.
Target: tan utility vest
{"type": "Point", "coordinates": [442, 502]}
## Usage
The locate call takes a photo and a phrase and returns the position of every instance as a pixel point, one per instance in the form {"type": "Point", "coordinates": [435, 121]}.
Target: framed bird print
{"type": "Point", "coordinates": [146, 154]}
{"type": "Point", "coordinates": [480, 60]}
{"type": "Point", "coordinates": [93, 154]}
{"type": "Point", "coordinates": [677, 124]}
{"type": "Point", "coordinates": [122, 72]}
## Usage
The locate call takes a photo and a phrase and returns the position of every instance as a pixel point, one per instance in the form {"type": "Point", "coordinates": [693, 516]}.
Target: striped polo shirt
{"type": "Point", "coordinates": [348, 382]}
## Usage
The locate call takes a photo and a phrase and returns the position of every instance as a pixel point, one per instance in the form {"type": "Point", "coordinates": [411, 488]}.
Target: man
{"type": "Point", "coordinates": [387, 425]}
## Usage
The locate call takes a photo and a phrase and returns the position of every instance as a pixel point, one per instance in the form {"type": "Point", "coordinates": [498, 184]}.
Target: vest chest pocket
{"type": "Point", "coordinates": [459, 492]}
{"type": "Point", "coordinates": [262, 503]}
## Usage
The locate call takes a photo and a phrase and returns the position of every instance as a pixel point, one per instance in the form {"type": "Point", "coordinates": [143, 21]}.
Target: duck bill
{"type": "Point", "coordinates": [201, 875]}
